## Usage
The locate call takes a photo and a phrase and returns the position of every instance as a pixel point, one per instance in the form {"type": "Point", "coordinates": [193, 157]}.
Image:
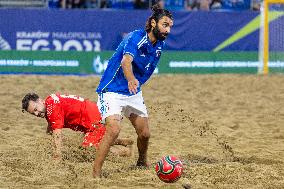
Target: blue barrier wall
{"type": "Point", "coordinates": [96, 30]}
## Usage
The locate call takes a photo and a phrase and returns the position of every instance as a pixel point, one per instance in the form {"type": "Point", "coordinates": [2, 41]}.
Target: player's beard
{"type": "Point", "coordinates": [158, 34]}
{"type": "Point", "coordinates": [42, 113]}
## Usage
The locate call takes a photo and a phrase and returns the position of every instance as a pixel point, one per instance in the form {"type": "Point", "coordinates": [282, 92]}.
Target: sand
{"type": "Point", "coordinates": [227, 129]}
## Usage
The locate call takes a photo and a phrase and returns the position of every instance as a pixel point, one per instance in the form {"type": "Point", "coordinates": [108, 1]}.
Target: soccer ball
{"type": "Point", "coordinates": [169, 169]}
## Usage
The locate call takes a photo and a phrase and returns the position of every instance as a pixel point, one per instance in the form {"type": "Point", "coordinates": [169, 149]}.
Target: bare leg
{"type": "Point", "coordinates": [142, 129]}
{"type": "Point", "coordinates": [112, 130]}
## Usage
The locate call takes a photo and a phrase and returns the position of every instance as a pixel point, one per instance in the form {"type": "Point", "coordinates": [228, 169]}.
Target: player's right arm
{"type": "Point", "coordinates": [55, 120]}
{"type": "Point", "coordinates": [57, 137]}
{"type": "Point", "coordinates": [49, 129]}
{"type": "Point", "coordinates": [129, 53]}
{"type": "Point", "coordinates": [126, 64]}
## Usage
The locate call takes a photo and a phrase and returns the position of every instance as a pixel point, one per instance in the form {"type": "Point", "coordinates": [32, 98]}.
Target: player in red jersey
{"type": "Point", "coordinates": [73, 112]}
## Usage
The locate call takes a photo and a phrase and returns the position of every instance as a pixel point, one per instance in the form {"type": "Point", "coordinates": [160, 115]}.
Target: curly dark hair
{"type": "Point", "coordinates": [157, 14]}
{"type": "Point", "coordinates": [27, 98]}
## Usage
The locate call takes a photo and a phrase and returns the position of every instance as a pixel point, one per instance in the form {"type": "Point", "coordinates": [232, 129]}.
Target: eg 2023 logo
{"type": "Point", "coordinates": [58, 41]}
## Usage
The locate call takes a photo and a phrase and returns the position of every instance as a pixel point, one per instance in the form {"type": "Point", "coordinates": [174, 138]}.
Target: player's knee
{"type": "Point", "coordinates": [113, 131]}
{"type": "Point", "coordinates": [145, 134]}
{"type": "Point", "coordinates": [113, 127]}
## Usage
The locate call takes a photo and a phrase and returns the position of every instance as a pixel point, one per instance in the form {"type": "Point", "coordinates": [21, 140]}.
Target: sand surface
{"type": "Point", "coordinates": [227, 129]}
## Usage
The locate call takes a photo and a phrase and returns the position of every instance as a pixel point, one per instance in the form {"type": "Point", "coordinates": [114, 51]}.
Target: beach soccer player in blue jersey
{"type": "Point", "coordinates": [119, 91]}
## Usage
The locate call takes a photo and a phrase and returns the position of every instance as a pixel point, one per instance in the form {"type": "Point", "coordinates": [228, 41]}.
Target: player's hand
{"type": "Point", "coordinates": [57, 157]}
{"type": "Point", "coordinates": [49, 130]}
{"type": "Point", "coordinates": [133, 86]}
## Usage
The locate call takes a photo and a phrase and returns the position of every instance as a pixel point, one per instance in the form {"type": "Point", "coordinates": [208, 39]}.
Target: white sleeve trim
{"type": "Point", "coordinates": [129, 54]}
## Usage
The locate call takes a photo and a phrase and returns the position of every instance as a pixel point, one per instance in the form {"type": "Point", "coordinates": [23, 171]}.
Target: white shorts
{"type": "Point", "coordinates": [111, 103]}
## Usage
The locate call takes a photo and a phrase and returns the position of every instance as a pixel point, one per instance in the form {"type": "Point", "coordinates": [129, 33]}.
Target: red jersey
{"type": "Point", "coordinates": [70, 111]}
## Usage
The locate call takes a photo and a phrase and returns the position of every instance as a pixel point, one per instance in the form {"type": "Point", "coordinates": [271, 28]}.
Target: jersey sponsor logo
{"type": "Point", "coordinates": [158, 53]}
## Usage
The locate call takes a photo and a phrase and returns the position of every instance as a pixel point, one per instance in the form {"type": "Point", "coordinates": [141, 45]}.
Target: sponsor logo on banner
{"type": "Point", "coordinates": [39, 63]}
{"type": "Point", "coordinates": [99, 66]}
{"type": "Point", "coordinates": [4, 45]}
{"type": "Point", "coordinates": [221, 64]}
{"type": "Point", "coordinates": [58, 41]}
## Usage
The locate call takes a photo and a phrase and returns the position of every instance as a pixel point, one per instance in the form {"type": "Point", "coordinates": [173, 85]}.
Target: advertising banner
{"type": "Point", "coordinates": [52, 62]}
{"type": "Point", "coordinates": [100, 30]}
{"type": "Point", "coordinates": [82, 63]}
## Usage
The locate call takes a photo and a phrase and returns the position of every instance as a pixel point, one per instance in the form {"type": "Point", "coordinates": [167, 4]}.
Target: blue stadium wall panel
{"type": "Point", "coordinates": [99, 30]}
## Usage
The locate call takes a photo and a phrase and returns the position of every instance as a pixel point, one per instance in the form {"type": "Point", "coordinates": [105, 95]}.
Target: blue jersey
{"type": "Point", "coordinates": [145, 60]}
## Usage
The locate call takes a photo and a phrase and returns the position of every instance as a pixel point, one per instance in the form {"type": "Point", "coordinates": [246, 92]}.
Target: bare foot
{"type": "Point", "coordinates": [142, 164]}
{"type": "Point", "coordinates": [122, 151]}
{"type": "Point", "coordinates": [186, 186]}
{"type": "Point", "coordinates": [124, 142]}
{"type": "Point", "coordinates": [96, 174]}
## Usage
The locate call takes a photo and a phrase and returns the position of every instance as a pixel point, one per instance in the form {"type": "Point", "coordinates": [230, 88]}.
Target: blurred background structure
{"type": "Point", "coordinates": [78, 36]}
{"type": "Point", "coordinates": [227, 128]}
{"type": "Point", "coordinates": [230, 5]}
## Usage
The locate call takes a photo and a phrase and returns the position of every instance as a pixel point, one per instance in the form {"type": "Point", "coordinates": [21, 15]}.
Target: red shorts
{"type": "Point", "coordinates": [92, 119]}
{"type": "Point", "coordinates": [93, 138]}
